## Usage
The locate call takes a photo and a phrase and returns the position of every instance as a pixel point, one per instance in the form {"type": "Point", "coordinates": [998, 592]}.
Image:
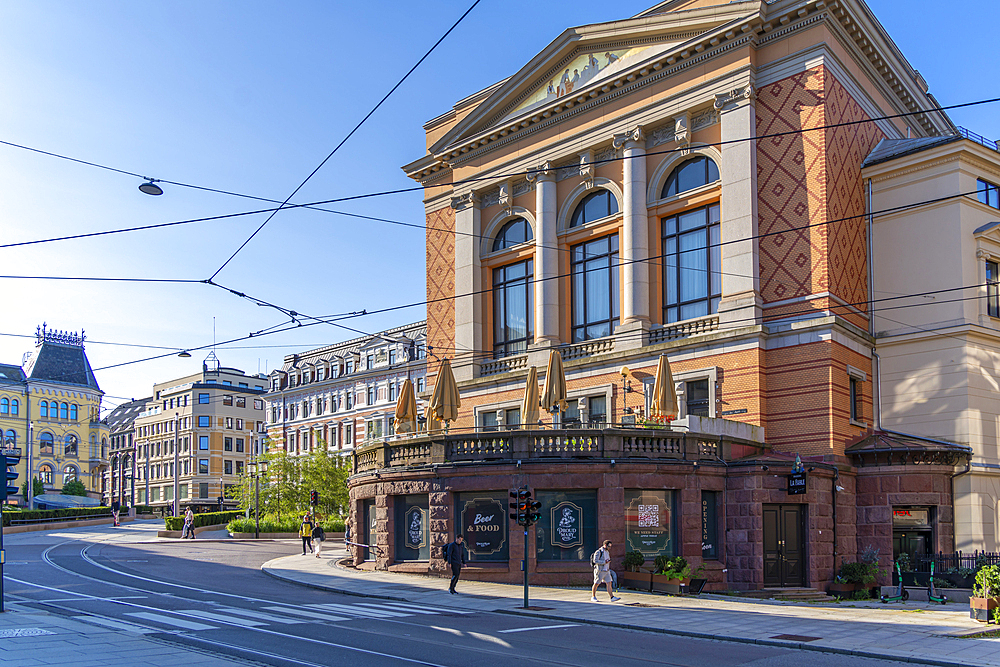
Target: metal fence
{"type": "Point", "coordinates": [955, 561]}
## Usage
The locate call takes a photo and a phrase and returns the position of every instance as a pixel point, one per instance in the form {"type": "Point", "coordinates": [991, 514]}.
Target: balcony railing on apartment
{"type": "Point", "coordinates": [978, 138]}
{"type": "Point", "coordinates": [620, 444]}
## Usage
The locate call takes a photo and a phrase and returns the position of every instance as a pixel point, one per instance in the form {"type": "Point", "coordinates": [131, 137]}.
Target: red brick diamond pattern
{"type": "Point", "coordinates": [440, 282]}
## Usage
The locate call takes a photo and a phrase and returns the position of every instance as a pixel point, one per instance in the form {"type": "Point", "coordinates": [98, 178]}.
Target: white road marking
{"type": "Point", "coordinates": [222, 618]}
{"type": "Point", "coordinates": [453, 631]}
{"type": "Point", "coordinates": [544, 627]}
{"type": "Point", "coordinates": [490, 638]}
{"type": "Point", "coordinates": [254, 614]}
{"type": "Point", "coordinates": [439, 610]}
{"type": "Point", "coordinates": [169, 620]}
{"type": "Point", "coordinates": [115, 625]}
{"type": "Point", "coordinates": [309, 614]}
{"type": "Point", "coordinates": [353, 609]}
{"type": "Point", "coordinates": [394, 608]}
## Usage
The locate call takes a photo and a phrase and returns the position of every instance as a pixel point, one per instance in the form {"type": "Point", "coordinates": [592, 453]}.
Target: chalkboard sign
{"type": "Point", "coordinates": [484, 524]}
{"type": "Point", "coordinates": [797, 483]}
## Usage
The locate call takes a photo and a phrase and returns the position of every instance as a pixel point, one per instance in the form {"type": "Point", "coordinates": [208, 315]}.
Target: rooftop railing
{"type": "Point", "coordinates": [978, 138]}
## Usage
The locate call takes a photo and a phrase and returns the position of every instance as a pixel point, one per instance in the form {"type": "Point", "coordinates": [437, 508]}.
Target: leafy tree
{"type": "Point", "coordinates": [74, 488]}
{"type": "Point", "coordinates": [37, 487]}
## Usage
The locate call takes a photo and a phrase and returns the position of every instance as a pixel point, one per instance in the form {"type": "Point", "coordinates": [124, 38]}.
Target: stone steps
{"type": "Point", "coordinates": [789, 594]}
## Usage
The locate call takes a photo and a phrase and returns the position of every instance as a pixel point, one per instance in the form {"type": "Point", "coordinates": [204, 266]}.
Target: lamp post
{"type": "Point", "coordinates": [177, 464]}
{"type": "Point", "coordinates": [258, 468]}
{"type": "Point", "coordinates": [29, 488]}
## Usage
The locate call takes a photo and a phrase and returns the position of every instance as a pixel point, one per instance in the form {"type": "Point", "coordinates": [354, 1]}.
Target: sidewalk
{"type": "Point", "coordinates": [29, 637]}
{"type": "Point", "coordinates": [914, 632]}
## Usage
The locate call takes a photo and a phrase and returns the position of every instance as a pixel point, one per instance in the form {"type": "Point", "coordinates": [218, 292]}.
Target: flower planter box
{"type": "Point", "coordinates": [841, 590]}
{"type": "Point", "coordinates": [640, 581]}
{"type": "Point", "coordinates": [984, 609]}
{"type": "Point", "coordinates": [662, 584]}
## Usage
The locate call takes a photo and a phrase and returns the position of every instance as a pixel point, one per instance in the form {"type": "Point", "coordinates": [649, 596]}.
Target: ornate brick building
{"type": "Point", "coordinates": [683, 182]}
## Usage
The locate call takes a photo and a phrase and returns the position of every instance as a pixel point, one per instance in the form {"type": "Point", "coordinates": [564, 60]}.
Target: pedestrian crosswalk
{"type": "Point", "coordinates": [219, 616]}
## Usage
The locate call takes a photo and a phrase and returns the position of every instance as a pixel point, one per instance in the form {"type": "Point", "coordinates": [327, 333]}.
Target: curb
{"type": "Point", "coordinates": [666, 631]}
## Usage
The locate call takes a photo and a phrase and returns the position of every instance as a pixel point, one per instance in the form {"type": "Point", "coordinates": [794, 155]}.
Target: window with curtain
{"type": "Point", "coordinates": [595, 288]}
{"type": "Point", "coordinates": [689, 175]}
{"type": "Point", "coordinates": [692, 264]}
{"type": "Point", "coordinates": [594, 206]}
{"type": "Point", "coordinates": [513, 308]}
{"type": "Point", "coordinates": [513, 233]}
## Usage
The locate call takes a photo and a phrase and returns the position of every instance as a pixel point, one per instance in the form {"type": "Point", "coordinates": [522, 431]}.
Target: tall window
{"type": "Point", "coordinates": [513, 233]}
{"type": "Point", "coordinates": [70, 445]}
{"type": "Point", "coordinates": [203, 442]}
{"type": "Point", "coordinates": [15, 406]}
{"type": "Point", "coordinates": [45, 473]}
{"type": "Point", "coordinates": [696, 395]}
{"type": "Point", "coordinates": [689, 175]}
{"type": "Point", "coordinates": [370, 396]}
{"type": "Point", "coordinates": [692, 263]}
{"type": "Point", "coordinates": [4, 406]}
{"type": "Point", "coordinates": [594, 206]}
{"type": "Point", "coordinates": [988, 193]}
{"type": "Point", "coordinates": [992, 290]}
{"type": "Point", "coordinates": [46, 444]}
{"type": "Point", "coordinates": [595, 288]}
{"type": "Point", "coordinates": [856, 396]}
{"type": "Point", "coordinates": [43, 409]}
{"type": "Point", "coordinates": [73, 411]}
{"type": "Point", "coordinates": [10, 439]}
{"type": "Point", "coordinates": [70, 474]}
{"type": "Point", "coordinates": [513, 307]}
{"type": "Point", "coordinates": [63, 411]}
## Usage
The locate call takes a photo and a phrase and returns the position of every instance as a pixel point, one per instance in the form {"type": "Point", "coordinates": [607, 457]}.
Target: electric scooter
{"type": "Point", "coordinates": [931, 594]}
{"type": "Point", "coordinates": [902, 595]}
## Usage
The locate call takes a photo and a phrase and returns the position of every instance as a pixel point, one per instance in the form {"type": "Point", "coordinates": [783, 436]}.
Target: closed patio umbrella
{"type": "Point", "coordinates": [406, 409]}
{"type": "Point", "coordinates": [554, 391]}
{"type": "Point", "coordinates": [664, 395]}
{"type": "Point", "coordinates": [529, 406]}
{"type": "Point", "coordinates": [445, 400]}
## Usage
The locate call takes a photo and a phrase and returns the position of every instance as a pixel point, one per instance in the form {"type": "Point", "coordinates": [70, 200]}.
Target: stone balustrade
{"type": "Point", "coordinates": [503, 365]}
{"type": "Point", "coordinates": [549, 445]}
{"type": "Point", "coordinates": [684, 329]}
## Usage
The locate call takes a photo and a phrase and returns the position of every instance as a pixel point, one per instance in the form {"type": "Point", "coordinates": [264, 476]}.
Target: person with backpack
{"type": "Point", "coordinates": [601, 560]}
{"type": "Point", "coordinates": [318, 536]}
{"type": "Point", "coordinates": [454, 555]}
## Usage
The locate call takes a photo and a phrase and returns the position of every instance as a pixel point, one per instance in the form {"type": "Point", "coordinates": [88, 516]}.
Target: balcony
{"type": "Point", "coordinates": [619, 444]}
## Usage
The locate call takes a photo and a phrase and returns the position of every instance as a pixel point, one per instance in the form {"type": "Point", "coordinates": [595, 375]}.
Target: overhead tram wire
{"type": "Point", "coordinates": [316, 205]}
{"type": "Point", "coordinates": [349, 135]}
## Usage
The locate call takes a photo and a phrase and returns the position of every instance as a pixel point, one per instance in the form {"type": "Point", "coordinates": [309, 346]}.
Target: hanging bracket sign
{"type": "Point", "coordinates": [797, 483]}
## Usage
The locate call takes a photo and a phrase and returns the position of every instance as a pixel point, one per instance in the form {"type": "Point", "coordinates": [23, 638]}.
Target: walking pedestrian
{"type": "Point", "coordinates": [318, 535]}
{"type": "Point", "coordinates": [347, 535]}
{"type": "Point", "coordinates": [305, 532]}
{"type": "Point", "coordinates": [188, 531]}
{"type": "Point", "coordinates": [601, 560]}
{"type": "Point", "coordinates": [454, 555]}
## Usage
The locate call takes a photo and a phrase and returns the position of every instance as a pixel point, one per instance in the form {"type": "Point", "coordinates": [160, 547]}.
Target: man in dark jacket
{"type": "Point", "coordinates": [454, 554]}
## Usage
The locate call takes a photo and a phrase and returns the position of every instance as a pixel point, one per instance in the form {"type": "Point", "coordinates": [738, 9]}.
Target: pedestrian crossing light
{"type": "Point", "coordinates": [314, 498]}
{"type": "Point", "coordinates": [10, 474]}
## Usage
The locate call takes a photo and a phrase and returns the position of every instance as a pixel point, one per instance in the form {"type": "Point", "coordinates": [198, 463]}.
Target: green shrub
{"type": "Point", "coordinates": [206, 519]}
{"type": "Point", "coordinates": [859, 573]}
{"type": "Point", "coordinates": [10, 513]}
{"type": "Point", "coordinates": [674, 568]}
{"type": "Point", "coordinates": [145, 509]}
{"type": "Point", "coordinates": [633, 561]}
{"type": "Point", "coordinates": [861, 595]}
{"type": "Point", "coordinates": [286, 523]}
{"type": "Point", "coordinates": [988, 582]}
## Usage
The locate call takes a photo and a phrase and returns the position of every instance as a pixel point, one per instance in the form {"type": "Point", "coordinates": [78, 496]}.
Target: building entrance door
{"type": "Point", "coordinates": [784, 548]}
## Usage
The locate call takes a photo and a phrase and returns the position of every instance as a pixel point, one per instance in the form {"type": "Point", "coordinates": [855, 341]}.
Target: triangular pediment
{"type": "Point", "coordinates": [590, 57]}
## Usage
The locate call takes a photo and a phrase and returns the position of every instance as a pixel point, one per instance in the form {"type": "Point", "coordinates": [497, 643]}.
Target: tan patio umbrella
{"type": "Point", "coordinates": [554, 391]}
{"type": "Point", "coordinates": [664, 395]}
{"type": "Point", "coordinates": [445, 400]}
{"type": "Point", "coordinates": [529, 406]}
{"type": "Point", "coordinates": [406, 409]}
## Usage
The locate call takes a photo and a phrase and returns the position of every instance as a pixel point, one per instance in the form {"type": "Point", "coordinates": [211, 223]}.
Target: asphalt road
{"type": "Point", "coordinates": [213, 597]}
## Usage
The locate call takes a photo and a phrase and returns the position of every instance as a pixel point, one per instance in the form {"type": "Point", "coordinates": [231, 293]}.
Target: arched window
{"type": "Point", "coordinates": [4, 406]}
{"type": "Point", "coordinates": [689, 175]}
{"type": "Point", "coordinates": [70, 474]}
{"type": "Point", "coordinates": [10, 439]}
{"type": "Point", "coordinates": [73, 411]}
{"type": "Point", "coordinates": [46, 444]}
{"type": "Point", "coordinates": [594, 206]}
{"type": "Point", "coordinates": [15, 407]}
{"type": "Point", "coordinates": [512, 233]}
{"type": "Point", "coordinates": [64, 411]}
{"type": "Point", "coordinates": [45, 473]}
{"type": "Point", "coordinates": [43, 409]}
{"type": "Point", "coordinates": [70, 445]}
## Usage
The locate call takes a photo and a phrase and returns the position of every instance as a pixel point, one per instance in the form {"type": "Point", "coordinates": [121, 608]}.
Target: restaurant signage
{"type": "Point", "coordinates": [797, 483]}
{"type": "Point", "coordinates": [647, 522]}
{"type": "Point", "coordinates": [414, 534]}
{"type": "Point", "coordinates": [567, 525]}
{"type": "Point", "coordinates": [484, 525]}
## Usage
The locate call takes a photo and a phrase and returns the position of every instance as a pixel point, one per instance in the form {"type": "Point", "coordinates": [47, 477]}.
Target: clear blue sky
{"type": "Point", "coordinates": [249, 97]}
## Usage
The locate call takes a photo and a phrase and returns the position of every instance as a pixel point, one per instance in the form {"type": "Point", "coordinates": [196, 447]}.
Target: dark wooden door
{"type": "Point", "coordinates": [784, 547]}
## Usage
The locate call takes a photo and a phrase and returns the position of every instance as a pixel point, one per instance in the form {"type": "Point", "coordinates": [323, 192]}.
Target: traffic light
{"type": "Point", "coordinates": [9, 487]}
{"type": "Point", "coordinates": [534, 510]}
{"type": "Point", "coordinates": [520, 514]}
{"type": "Point", "coordinates": [314, 498]}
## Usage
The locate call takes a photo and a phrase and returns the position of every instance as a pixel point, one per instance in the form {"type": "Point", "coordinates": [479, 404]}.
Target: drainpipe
{"type": "Point", "coordinates": [725, 518]}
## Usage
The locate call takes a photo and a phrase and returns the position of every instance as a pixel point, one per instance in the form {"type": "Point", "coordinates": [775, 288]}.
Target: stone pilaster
{"type": "Point", "coordinates": [634, 241]}
{"type": "Point", "coordinates": [468, 284]}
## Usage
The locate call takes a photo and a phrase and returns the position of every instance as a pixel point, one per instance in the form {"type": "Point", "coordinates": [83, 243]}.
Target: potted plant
{"type": "Point", "coordinates": [669, 574]}
{"type": "Point", "coordinates": [840, 587]}
{"type": "Point", "coordinates": [632, 577]}
{"type": "Point", "coordinates": [986, 595]}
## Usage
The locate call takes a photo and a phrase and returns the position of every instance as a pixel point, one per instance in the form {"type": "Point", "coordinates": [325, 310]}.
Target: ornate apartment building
{"type": "Point", "coordinates": [688, 182]}
{"type": "Point", "coordinates": [344, 394]}
{"type": "Point", "coordinates": [50, 408]}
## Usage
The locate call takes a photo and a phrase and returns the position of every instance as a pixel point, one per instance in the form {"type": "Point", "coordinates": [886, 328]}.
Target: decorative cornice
{"type": "Point", "coordinates": [634, 136]}
{"type": "Point", "coordinates": [464, 201]}
{"type": "Point", "coordinates": [745, 93]}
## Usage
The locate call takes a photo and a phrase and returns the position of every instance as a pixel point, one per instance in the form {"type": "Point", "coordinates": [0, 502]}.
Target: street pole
{"type": "Point", "coordinates": [177, 464]}
{"type": "Point", "coordinates": [256, 503]}
{"type": "Point", "coordinates": [29, 486]}
{"type": "Point", "coordinates": [525, 567]}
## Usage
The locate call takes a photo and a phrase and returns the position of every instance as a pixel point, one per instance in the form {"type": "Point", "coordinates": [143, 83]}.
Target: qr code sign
{"type": "Point", "coordinates": [649, 516]}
